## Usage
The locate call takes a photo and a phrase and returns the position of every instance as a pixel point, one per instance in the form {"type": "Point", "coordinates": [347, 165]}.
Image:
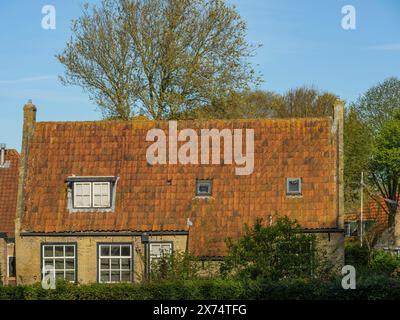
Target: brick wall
{"type": "Point", "coordinates": [29, 255]}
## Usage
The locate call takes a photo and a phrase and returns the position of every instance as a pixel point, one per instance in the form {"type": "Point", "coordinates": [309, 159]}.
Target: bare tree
{"type": "Point", "coordinates": [158, 58]}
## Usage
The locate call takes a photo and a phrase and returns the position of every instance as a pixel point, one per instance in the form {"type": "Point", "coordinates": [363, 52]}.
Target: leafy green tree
{"type": "Point", "coordinates": [385, 165]}
{"type": "Point", "coordinates": [281, 250]}
{"type": "Point", "coordinates": [368, 137]}
{"type": "Point", "coordinates": [158, 58]}
{"type": "Point", "coordinates": [379, 103]}
{"type": "Point", "coordinates": [357, 153]}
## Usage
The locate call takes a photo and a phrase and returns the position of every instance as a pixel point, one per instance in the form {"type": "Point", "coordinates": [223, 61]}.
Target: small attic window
{"type": "Point", "coordinates": [203, 188]}
{"type": "Point", "coordinates": [91, 193]}
{"type": "Point", "coordinates": [293, 187]}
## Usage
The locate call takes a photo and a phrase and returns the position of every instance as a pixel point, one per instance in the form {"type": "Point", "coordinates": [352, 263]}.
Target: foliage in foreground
{"type": "Point", "coordinates": [379, 287]}
{"type": "Point", "coordinates": [371, 263]}
{"type": "Point", "coordinates": [274, 252]}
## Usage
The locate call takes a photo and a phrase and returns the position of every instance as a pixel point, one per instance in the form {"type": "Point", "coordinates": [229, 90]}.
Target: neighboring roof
{"type": "Point", "coordinates": [147, 201]}
{"type": "Point", "coordinates": [372, 211]}
{"type": "Point", "coordinates": [8, 193]}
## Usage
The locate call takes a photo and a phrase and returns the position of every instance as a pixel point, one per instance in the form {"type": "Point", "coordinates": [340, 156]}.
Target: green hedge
{"type": "Point", "coordinates": [373, 288]}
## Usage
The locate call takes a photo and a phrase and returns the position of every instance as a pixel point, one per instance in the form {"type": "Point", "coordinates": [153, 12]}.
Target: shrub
{"type": "Point", "coordinates": [356, 255]}
{"type": "Point", "coordinates": [176, 266]}
{"type": "Point", "coordinates": [372, 288]}
{"type": "Point", "coordinates": [279, 251]}
{"type": "Point", "coordinates": [382, 262]}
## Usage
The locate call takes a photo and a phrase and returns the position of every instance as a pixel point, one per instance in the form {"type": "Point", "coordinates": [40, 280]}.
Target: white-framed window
{"type": "Point", "coordinates": [159, 250]}
{"type": "Point", "coordinates": [92, 195]}
{"type": "Point", "coordinates": [11, 270]}
{"type": "Point", "coordinates": [204, 188]}
{"type": "Point", "coordinates": [62, 259]}
{"type": "Point", "coordinates": [115, 263]}
{"type": "Point", "coordinates": [101, 194]}
{"type": "Point", "coordinates": [82, 194]}
{"type": "Point", "coordinates": [293, 186]}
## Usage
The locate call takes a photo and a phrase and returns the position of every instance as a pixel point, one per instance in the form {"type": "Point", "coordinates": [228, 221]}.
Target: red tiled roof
{"type": "Point", "coordinates": [372, 211]}
{"type": "Point", "coordinates": [8, 193]}
{"type": "Point", "coordinates": [303, 148]}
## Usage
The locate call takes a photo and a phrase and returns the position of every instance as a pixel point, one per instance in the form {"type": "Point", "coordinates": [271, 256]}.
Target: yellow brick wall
{"type": "Point", "coordinates": [29, 249]}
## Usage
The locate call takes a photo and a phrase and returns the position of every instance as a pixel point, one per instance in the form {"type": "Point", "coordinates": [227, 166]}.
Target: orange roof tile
{"type": "Point", "coordinates": [8, 193]}
{"type": "Point", "coordinates": [162, 197]}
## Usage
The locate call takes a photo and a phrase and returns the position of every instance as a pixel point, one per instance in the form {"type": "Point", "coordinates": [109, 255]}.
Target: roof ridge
{"type": "Point", "coordinates": [188, 120]}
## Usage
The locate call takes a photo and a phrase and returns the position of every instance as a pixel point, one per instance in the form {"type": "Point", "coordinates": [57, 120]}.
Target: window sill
{"type": "Point", "coordinates": [294, 195]}
{"type": "Point", "coordinates": [91, 210]}
{"type": "Point", "coordinates": [203, 197]}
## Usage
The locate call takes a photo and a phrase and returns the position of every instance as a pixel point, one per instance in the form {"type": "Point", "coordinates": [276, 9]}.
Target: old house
{"type": "Point", "coordinates": [94, 208]}
{"type": "Point", "coordinates": [9, 164]}
{"type": "Point", "coordinates": [374, 218]}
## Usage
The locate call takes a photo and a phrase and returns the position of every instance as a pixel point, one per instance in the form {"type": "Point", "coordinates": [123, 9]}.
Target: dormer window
{"type": "Point", "coordinates": [91, 193]}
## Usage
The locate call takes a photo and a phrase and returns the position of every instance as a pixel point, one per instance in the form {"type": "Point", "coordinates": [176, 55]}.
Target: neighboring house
{"type": "Point", "coordinates": [9, 164]}
{"type": "Point", "coordinates": [92, 207]}
{"type": "Point", "coordinates": [374, 218]}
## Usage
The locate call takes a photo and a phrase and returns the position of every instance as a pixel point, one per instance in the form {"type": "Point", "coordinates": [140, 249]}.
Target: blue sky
{"type": "Point", "coordinates": [303, 44]}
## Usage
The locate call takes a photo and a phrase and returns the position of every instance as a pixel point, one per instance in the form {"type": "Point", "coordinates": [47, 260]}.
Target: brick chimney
{"type": "Point", "coordinates": [338, 126]}
{"type": "Point", "coordinates": [29, 123]}
{"type": "Point", "coordinates": [27, 132]}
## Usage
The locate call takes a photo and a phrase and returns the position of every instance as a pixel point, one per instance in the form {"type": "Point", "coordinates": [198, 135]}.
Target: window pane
{"type": "Point", "coordinates": [69, 251]}
{"type": "Point", "coordinates": [105, 276]}
{"type": "Point", "coordinates": [126, 251]}
{"type": "Point", "coordinates": [70, 276]}
{"type": "Point", "coordinates": [59, 251]}
{"type": "Point", "coordinates": [49, 263]}
{"type": "Point", "coordinates": [11, 266]}
{"type": "Point", "coordinates": [115, 264]}
{"type": "Point", "coordinates": [115, 276]}
{"type": "Point", "coordinates": [105, 251]}
{"type": "Point", "coordinates": [155, 249]}
{"type": "Point", "coordinates": [82, 194]}
{"type": "Point", "coordinates": [97, 200]}
{"type": "Point", "coordinates": [204, 187]}
{"type": "Point", "coordinates": [59, 264]}
{"type": "Point", "coordinates": [86, 201]}
{"type": "Point", "coordinates": [69, 264]}
{"type": "Point", "coordinates": [60, 275]}
{"type": "Point", "coordinates": [166, 249]}
{"type": "Point", "coordinates": [126, 264]}
{"type": "Point", "coordinates": [105, 263]}
{"type": "Point", "coordinates": [115, 251]}
{"type": "Point", "coordinates": [48, 251]}
{"type": "Point", "coordinates": [126, 276]}
{"type": "Point", "coordinates": [101, 194]}
{"type": "Point", "coordinates": [293, 185]}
